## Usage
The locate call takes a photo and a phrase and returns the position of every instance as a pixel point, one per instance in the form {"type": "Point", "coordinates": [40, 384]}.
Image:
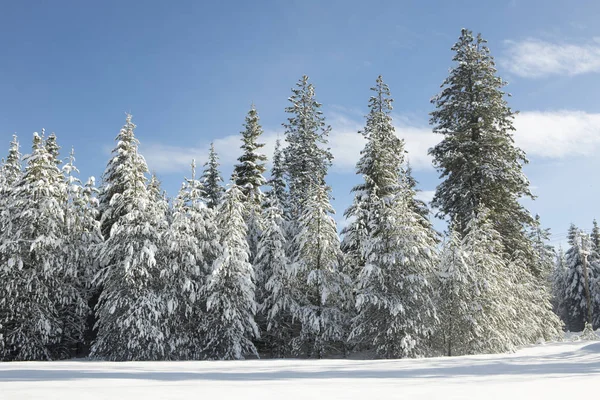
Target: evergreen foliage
{"type": "Point", "coordinates": [212, 189]}
{"type": "Point", "coordinates": [230, 291]}
{"type": "Point", "coordinates": [477, 158]}
{"type": "Point", "coordinates": [36, 279]}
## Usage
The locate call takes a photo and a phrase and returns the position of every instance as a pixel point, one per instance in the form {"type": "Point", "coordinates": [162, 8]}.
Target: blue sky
{"type": "Point", "coordinates": [189, 70]}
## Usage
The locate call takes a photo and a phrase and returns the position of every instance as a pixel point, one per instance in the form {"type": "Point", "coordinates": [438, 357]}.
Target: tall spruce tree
{"type": "Point", "coordinates": [595, 236]}
{"type": "Point", "coordinates": [579, 259]}
{"type": "Point", "coordinates": [277, 179]}
{"type": "Point", "coordinates": [320, 288]}
{"type": "Point", "coordinates": [380, 166]}
{"type": "Point", "coordinates": [230, 290]}
{"type": "Point", "coordinates": [212, 189]}
{"type": "Point", "coordinates": [83, 237]}
{"type": "Point", "coordinates": [559, 281]}
{"type": "Point", "coordinates": [251, 166]}
{"type": "Point", "coordinates": [477, 158]}
{"type": "Point", "coordinates": [395, 300]}
{"type": "Point", "coordinates": [459, 298]}
{"type": "Point", "coordinates": [306, 157]}
{"type": "Point", "coordinates": [131, 311]}
{"type": "Point", "coordinates": [544, 255]}
{"type": "Point", "coordinates": [10, 173]}
{"type": "Point", "coordinates": [114, 177]}
{"type": "Point", "coordinates": [250, 179]}
{"type": "Point", "coordinates": [273, 281]}
{"type": "Point", "coordinates": [32, 262]}
{"type": "Point", "coordinates": [192, 245]}
{"type": "Point", "coordinates": [11, 169]}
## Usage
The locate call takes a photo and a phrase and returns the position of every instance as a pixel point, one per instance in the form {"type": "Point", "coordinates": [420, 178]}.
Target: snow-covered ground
{"type": "Point", "coordinates": [550, 371]}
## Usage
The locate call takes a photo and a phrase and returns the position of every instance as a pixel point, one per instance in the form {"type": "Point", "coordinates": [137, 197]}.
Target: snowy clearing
{"type": "Point", "coordinates": [551, 371]}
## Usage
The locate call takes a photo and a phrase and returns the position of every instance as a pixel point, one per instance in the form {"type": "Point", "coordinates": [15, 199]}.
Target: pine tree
{"type": "Point", "coordinates": [10, 173]}
{"type": "Point", "coordinates": [192, 246]}
{"type": "Point", "coordinates": [117, 171]}
{"type": "Point", "coordinates": [231, 306]}
{"type": "Point", "coordinates": [459, 298]}
{"type": "Point", "coordinates": [277, 179]}
{"type": "Point", "coordinates": [32, 261]}
{"type": "Point", "coordinates": [516, 309]}
{"type": "Point", "coordinates": [575, 292]}
{"type": "Point", "coordinates": [477, 158]}
{"type": "Point", "coordinates": [212, 191]}
{"type": "Point", "coordinates": [251, 166]}
{"type": "Point", "coordinates": [273, 281]}
{"type": "Point", "coordinates": [131, 311]}
{"type": "Point", "coordinates": [380, 166]}
{"type": "Point", "coordinates": [11, 169]}
{"type": "Point", "coordinates": [306, 159]}
{"type": "Point", "coordinates": [595, 236]}
{"type": "Point", "coordinates": [394, 300]}
{"type": "Point", "coordinates": [249, 172]}
{"type": "Point", "coordinates": [558, 279]}
{"type": "Point", "coordinates": [418, 205]}
{"type": "Point", "coordinates": [83, 237]}
{"type": "Point", "coordinates": [320, 289]}
{"type": "Point", "coordinates": [544, 255]}
{"type": "Point", "coordinates": [53, 148]}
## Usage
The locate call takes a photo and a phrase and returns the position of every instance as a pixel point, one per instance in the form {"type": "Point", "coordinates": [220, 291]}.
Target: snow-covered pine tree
{"type": "Point", "coordinates": [558, 279]}
{"type": "Point", "coordinates": [458, 295]}
{"type": "Point", "coordinates": [53, 148]}
{"type": "Point", "coordinates": [496, 327]}
{"type": "Point", "coordinates": [320, 289]}
{"type": "Point", "coordinates": [395, 300]}
{"type": "Point", "coordinates": [575, 292]}
{"type": "Point", "coordinates": [32, 261]}
{"type": "Point", "coordinates": [272, 267]}
{"type": "Point", "coordinates": [306, 158]}
{"type": "Point", "coordinates": [516, 308]}
{"type": "Point", "coordinates": [131, 311]}
{"type": "Point", "coordinates": [231, 305]}
{"type": "Point", "coordinates": [277, 179]}
{"type": "Point", "coordinates": [83, 237]}
{"type": "Point", "coordinates": [249, 172]}
{"type": "Point", "coordinates": [544, 254]}
{"type": "Point", "coordinates": [11, 169]}
{"type": "Point", "coordinates": [251, 166]}
{"type": "Point", "coordinates": [10, 173]}
{"type": "Point", "coordinates": [192, 245]}
{"type": "Point", "coordinates": [419, 205]}
{"type": "Point", "coordinates": [212, 189]}
{"type": "Point", "coordinates": [477, 158]}
{"type": "Point", "coordinates": [595, 236]}
{"type": "Point", "coordinates": [273, 281]}
{"type": "Point", "coordinates": [114, 177]}
{"type": "Point", "coordinates": [380, 166]}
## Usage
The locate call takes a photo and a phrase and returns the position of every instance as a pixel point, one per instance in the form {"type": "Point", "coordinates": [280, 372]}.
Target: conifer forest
{"type": "Point", "coordinates": [254, 265]}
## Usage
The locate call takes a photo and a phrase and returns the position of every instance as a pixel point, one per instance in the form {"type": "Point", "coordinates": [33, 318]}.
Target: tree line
{"type": "Point", "coordinates": [123, 272]}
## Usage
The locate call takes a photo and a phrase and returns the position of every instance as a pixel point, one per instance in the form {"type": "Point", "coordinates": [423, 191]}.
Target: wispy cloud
{"type": "Point", "coordinates": [558, 134]}
{"type": "Point", "coordinates": [425, 195]}
{"type": "Point", "coordinates": [344, 140]}
{"type": "Point", "coordinates": [533, 58]}
{"type": "Point", "coordinates": [547, 134]}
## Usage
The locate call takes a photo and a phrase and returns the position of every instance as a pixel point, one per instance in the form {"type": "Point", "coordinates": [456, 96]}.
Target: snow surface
{"type": "Point", "coordinates": [550, 371]}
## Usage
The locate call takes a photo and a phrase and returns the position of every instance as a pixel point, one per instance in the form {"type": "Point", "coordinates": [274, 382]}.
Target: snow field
{"type": "Point", "coordinates": [550, 371]}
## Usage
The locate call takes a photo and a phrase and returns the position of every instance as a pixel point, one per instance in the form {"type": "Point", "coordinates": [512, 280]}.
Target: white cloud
{"type": "Point", "coordinates": [548, 134]}
{"type": "Point", "coordinates": [532, 58]}
{"type": "Point", "coordinates": [425, 195]}
{"type": "Point", "coordinates": [346, 143]}
{"type": "Point", "coordinates": [170, 159]}
{"type": "Point", "coordinates": [344, 140]}
{"type": "Point", "coordinates": [558, 134]}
